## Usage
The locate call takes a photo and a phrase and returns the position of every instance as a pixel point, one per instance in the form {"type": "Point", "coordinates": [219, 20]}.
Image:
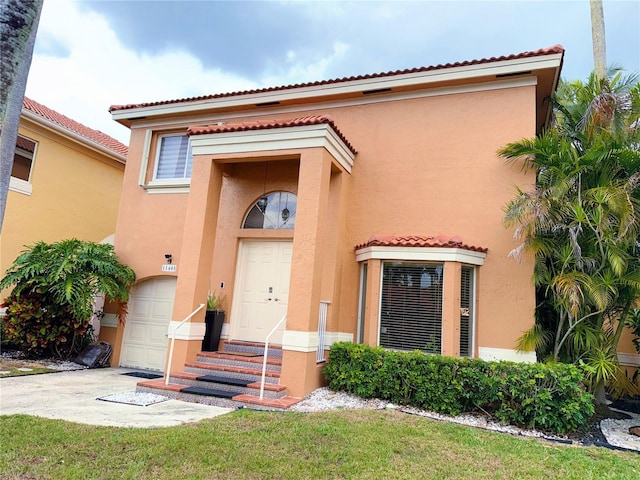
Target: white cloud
{"type": "Point", "coordinates": [297, 71]}
{"type": "Point", "coordinates": [91, 70]}
{"type": "Point", "coordinates": [81, 67]}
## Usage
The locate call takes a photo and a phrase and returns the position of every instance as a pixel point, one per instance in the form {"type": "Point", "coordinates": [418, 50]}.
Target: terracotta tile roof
{"type": "Point", "coordinates": [75, 127]}
{"type": "Point", "coordinates": [555, 49]}
{"type": "Point", "coordinates": [433, 241]}
{"type": "Point", "coordinates": [267, 124]}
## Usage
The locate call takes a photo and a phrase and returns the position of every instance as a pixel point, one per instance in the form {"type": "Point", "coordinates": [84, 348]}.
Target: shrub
{"type": "Point", "coordinates": [39, 327]}
{"type": "Point", "coordinates": [548, 397]}
{"type": "Point", "coordinates": [70, 273]}
{"type": "Point", "coordinates": [52, 300]}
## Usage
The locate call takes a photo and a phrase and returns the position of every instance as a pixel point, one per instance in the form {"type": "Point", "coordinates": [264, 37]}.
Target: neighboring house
{"type": "Point", "coordinates": [65, 182]}
{"type": "Point", "coordinates": [366, 208]}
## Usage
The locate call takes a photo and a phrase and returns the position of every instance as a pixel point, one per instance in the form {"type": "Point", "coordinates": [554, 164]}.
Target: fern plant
{"type": "Point", "coordinates": [68, 274]}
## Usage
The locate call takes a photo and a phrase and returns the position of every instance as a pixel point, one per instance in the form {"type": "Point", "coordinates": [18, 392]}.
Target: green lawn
{"type": "Point", "coordinates": [15, 372]}
{"type": "Point", "coordinates": [261, 445]}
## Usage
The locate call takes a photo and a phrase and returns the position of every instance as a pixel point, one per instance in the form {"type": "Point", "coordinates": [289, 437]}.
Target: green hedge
{"type": "Point", "coordinates": [547, 397]}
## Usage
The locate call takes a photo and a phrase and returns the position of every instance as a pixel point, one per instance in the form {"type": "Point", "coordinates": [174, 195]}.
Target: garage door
{"type": "Point", "coordinates": [144, 343]}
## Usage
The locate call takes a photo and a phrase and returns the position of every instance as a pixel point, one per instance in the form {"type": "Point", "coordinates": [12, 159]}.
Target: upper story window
{"type": "Point", "coordinates": [23, 158]}
{"type": "Point", "coordinates": [276, 210]}
{"type": "Point", "coordinates": [22, 165]}
{"type": "Point", "coordinates": [174, 159]}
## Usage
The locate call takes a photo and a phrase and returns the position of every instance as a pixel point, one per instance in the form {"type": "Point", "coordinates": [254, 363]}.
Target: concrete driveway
{"type": "Point", "coordinates": [73, 396]}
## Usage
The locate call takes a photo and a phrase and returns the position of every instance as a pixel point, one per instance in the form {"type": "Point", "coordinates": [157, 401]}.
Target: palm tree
{"type": "Point", "coordinates": [18, 25]}
{"type": "Point", "coordinates": [598, 37]}
{"type": "Point", "coordinates": [582, 222]}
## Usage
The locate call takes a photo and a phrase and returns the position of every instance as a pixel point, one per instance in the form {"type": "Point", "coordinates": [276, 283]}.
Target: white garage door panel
{"type": "Point", "coordinates": [137, 333]}
{"type": "Point", "coordinates": [161, 309]}
{"type": "Point", "coordinates": [145, 336]}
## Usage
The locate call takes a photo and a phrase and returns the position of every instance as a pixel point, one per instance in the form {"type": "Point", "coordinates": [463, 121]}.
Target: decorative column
{"type": "Point", "coordinates": [451, 309]}
{"type": "Point", "coordinates": [300, 339]}
{"type": "Point", "coordinates": [196, 256]}
{"type": "Point", "coordinates": [372, 306]}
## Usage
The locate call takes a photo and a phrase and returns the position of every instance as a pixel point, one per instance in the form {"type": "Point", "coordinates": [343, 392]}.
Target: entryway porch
{"type": "Point", "coordinates": [229, 378]}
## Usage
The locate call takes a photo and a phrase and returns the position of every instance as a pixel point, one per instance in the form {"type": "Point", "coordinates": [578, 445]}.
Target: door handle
{"type": "Point", "coordinates": [276, 299]}
{"type": "Point", "coordinates": [267, 299]}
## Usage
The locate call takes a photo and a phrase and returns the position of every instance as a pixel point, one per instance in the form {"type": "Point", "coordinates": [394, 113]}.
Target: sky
{"type": "Point", "coordinates": [91, 54]}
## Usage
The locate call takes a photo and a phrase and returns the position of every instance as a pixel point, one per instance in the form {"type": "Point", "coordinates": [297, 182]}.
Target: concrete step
{"type": "Point", "coordinates": [210, 392]}
{"type": "Point", "coordinates": [250, 374]}
{"type": "Point", "coordinates": [214, 397]}
{"type": "Point", "coordinates": [275, 351]}
{"type": "Point", "coordinates": [233, 384]}
{"type": "Point", "coordinates": [222, 358]}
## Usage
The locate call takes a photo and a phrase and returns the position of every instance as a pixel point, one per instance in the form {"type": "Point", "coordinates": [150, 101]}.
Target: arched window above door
{"type": "Point", "coordinates": [275, 210]}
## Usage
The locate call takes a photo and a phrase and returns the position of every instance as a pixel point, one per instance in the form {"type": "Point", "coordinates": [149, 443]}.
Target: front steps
{"type": "Point", "coordinates": [230, 378]}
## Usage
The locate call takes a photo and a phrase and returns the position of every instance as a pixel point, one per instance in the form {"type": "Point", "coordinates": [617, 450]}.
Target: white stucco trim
{"type": "Point", "coordinates": [434, 254]}
{"type": "Point", "coordinates": [109, 240]}
{"type": "Point", "coordinates": [155, 189]}
{"type": "Point", "coordinates": [109, 320]}
{"type": "Point", "coordinates": [285, 138]}
{"type": "Point", "coordinates": [425, 78]}
{"type": "Point", "coordinates": [225, 331]}
{"type": "Point", "coordinates": [188, 330]}
{"type": "Point", "coordinates": [629, 359]}
{"type": "Point", "coordinates": [300, 341]}
{"type": "Point", "coordinates": [308, 341]}
{"type": "Point", "coordinates": [497, 354]}
{"type": "Point", "coordinates": [142, 176]}
{"type": "Point", "coordinates": [20, 186]}
{"type": "Point", "coordinates": [333, 337]}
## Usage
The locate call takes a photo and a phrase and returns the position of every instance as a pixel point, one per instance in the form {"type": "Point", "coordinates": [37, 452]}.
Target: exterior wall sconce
{"type": "Point", "coordinates": [169, 257]}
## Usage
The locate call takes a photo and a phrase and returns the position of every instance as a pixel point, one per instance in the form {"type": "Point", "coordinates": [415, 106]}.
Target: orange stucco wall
{"type": "Point", "coordinates": [424, 166]}
{"type": "Point", "coordinates": [75, 193]}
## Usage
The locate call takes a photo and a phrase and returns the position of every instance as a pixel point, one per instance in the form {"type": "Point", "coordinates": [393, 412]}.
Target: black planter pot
{"type": "Point", "coordinates": [213, 320]}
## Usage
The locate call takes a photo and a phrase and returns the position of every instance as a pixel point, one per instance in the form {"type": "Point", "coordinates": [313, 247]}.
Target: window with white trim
{"type": "Point", "coordinates": [411, 306]}
{"type": "Point", "coordinates": [23, 158]}
{"type": "Point", "coordinates": [24, 154]}
{"type": "Point", "coordinates": [174, 159]}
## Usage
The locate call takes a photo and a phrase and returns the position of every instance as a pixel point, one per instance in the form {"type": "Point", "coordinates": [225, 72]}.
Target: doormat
{"type": "Point", "coordinates": [141, 399]}
{"type": "Point", "coordinates": [147, 375]}
{"type": "Point", "coordinates": [242, 354]}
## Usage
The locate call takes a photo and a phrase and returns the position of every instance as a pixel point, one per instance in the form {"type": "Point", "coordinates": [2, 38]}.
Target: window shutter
{"type": "Point", "coordinates": [175, 159]}
{"type": "Point", "coordinates": [411, 307]}
{"type": "Point", "coordinates": [466, 312]}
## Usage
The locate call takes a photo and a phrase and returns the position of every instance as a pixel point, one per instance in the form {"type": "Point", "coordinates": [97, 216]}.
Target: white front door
{"type": "Point", "coordinates": [144, 343]}
{"type": "Point", "coordinates": [262, 290]}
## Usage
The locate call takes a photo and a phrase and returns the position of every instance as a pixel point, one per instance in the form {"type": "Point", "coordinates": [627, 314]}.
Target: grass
{"type": "Point", "coordinates": [17, 368]}
{"type": "Point", "coordinates": [249, 444]}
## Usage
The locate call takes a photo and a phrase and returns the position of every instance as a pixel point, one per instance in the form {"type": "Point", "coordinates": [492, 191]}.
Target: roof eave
{"type": "Point", "coordinates": [414, 79]}
{"type": "Point", "coordinates": [71, 135]}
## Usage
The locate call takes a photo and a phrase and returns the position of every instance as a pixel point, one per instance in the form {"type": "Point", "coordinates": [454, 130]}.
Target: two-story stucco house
{"type": "Point", "coordinates": [65, 182]}
{"type": "Point", "coordinates": [365, 208]}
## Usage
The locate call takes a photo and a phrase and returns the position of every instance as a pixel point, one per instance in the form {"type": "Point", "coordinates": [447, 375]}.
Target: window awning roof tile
{"type": "Point", "coordinates": [268, 124]}
{"type": "Point", "coordinates": [432, 241]}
